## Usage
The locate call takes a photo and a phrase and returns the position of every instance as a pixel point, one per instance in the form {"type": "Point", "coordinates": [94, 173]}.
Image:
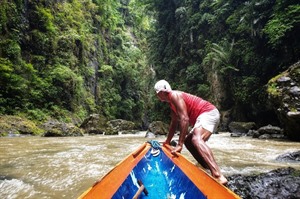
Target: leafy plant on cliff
{"type": "Point", "coordinates": [53, 58]}
{"type": "Point", "coordinates": [282, 23]}
{"type": "Point", "coordinates": [219, 58]}
{"type": "Point", "coordinates": [263, 34]}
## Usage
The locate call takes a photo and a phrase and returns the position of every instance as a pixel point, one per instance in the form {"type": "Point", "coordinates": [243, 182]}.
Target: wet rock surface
{"type": "Point", "coordinates": [284, 97]}
{"type": "Point", "coordinates": [61, 129]}
{"type": "Point", "coordinates": [122, 126]}
{"type": "Point", "coordinates": [157, 128]}
{"type": "Point", "coordinates": [293, 157]}
{"type": "Point", "coordinates": [269, 132]}
{"type": "Point", "coordinates": [97, 124]}
{"type": "Point", "coordinates": [94, 124]}
{"type": "Point", "coordinates": [239, 129]}
{"type": "Point", "coordinates": [14, 126]}
{"type": "Point", "coordinates": [283, 183]}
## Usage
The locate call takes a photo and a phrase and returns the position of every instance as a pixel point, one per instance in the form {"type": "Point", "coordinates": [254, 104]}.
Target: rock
{"type": "Point", "coordinates": [295, 90]}
{"type": "Point", "coordinates": [277, 184]}
{"type": "Point", "coordinates": [15, 125]}
{"type": "Point", "coordinates": [150, 135]}
{"type": "Point", "coordinates": [255, 134]}
{"type": "Point", "coordinates": [122, 126]}
{"type": "Point", "coordinates": [241, 127]}
{"type": "Point", "coordinates": [158, 128]}
{"type": "Point", "coordinates": [269, 129]}
{"type": "Point", "coordinates": [225, 120]}
{"type": "Point", "coordinates": [284, 80]}
{"type": "Point", "coordinates": [61, 129]}
{"type": "Point", "coordinates": [97, 124]}
{"type": "Point", "coordinates": [265, 136]}
{"type": "Point", "coordinates": [284, 97]}
{"type": "Point", "coordinates": [94, 124]}
{"type": "Point", "coordinates": [236, 135]}
{"type": "Point", "coordinates": [269, 132]}
{"type": "Point", "coordinates": [252, 133]}
{"type": "Point", "coordinates": [289, 157]}
{"type": "Point", "coordinates": [294, 114]}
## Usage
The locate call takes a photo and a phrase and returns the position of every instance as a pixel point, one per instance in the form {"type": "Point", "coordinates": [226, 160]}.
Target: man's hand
{"type": "Point", "coordinates": [177, 149]}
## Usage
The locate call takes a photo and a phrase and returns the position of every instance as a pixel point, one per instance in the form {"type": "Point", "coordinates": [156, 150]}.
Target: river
{"type": "Point", "coordinates": [38, 167]}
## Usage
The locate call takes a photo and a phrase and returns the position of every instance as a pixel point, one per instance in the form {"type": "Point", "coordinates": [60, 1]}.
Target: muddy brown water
{"type": "Point", "coordinates": [38, 167]}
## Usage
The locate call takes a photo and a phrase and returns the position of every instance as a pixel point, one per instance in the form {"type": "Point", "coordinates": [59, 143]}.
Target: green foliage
{"type": "Point", "coordinates": [183, 49]}
{"type": "Point", "coordinates": [272, 86]}
{"type": "Point", "coordinates": [46, 19]}
{"type": "Point", "coordinates": [18, 125]}
{"type": "Point", "coordinates": [106, 70]}
{"type": "Point", "coordinates": [219, 58]}
{"type": "Point", "coordinates": [203, 90]}
{"type": "Point", "coordinates": [67, 59]}
{"type": "Point", "coordinates": [5, 70]}
{"type": "Point", "coordinates": [67, 87]}
{"type": "Point", "coordinates": [36, 115]}
{"type": "Point", "coordinates": [10, 49]}
{"type": "Point", "coordinates": [245, 90]}
{"type": "Point", "coordinates": [282, 22]}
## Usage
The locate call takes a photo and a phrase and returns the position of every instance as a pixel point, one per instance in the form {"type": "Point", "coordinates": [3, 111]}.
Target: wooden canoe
{"type": "Point", "coordinates": [157, 174]}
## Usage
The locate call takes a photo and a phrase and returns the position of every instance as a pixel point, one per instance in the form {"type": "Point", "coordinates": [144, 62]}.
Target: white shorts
{"type": "Point", "coordinates": [208, 120]}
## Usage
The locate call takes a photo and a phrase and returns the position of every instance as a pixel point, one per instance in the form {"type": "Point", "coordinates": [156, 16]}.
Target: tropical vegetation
{"type": "Point", "coordinates": [70, 58]}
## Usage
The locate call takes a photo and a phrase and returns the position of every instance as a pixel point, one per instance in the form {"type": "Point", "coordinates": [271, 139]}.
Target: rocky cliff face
{"type": "Point", "coordinates": [219, 88]}
{"type": "Point", "coordinates": [284, 96]}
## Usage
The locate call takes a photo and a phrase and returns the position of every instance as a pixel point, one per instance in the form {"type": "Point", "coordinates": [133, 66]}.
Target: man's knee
{"type": "Point", "coordinates": [196, 139]}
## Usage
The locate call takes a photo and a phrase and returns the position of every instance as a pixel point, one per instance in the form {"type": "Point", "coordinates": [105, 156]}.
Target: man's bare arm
{"type": "Point", "coordinates": [178, 102]}
{"type": "Point", "coordinates": [173, 127]}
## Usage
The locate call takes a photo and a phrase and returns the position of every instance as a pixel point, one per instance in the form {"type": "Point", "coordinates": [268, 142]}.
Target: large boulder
{"type": "Point", "coordinates": [15, 125]}
{"type": "Point", "coordinates": [157, 128]}
{"type": "Point", "coordinates": [97, 124]}
{"type": "Point", "coordinates": [279, 183]}
{"type": "Point", "coordinates": [284, 95]}
{"type": "Point", "coordinates": [269, 132]}
{"type": "Point", "coordinates": [94, 124]}
{"type": "Point", "coordinates": [241, 128]}
{"type": "Point", "coordinates": [122, 126]}
{"type": "Point", "coordinates": [293, 157]}
{"type": "Point", "coordinates": [61, 129]}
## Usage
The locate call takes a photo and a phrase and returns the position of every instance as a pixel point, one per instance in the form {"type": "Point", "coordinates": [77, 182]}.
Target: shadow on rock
{"type": "Point", "coordinates": [283, 183]}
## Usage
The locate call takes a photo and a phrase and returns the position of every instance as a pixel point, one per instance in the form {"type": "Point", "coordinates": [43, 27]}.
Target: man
{"type": "Point", "coordinates": [202, 115]}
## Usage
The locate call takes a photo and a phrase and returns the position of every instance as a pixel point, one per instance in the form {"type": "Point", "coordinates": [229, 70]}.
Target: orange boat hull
{"type": "Point", "coordinates": [159, 175]}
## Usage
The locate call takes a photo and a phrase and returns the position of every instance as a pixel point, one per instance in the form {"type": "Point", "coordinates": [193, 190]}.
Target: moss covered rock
{"type": "Point", "coordinates": [94, 124]}
{"type": "Point", "coordinates": [97, 124]}
{"type": "Point", "coordinates": [61, 129]}
{"type": "Point", "coordinates": [121, 126]}
{"type": "Point", "coordinates": [284, 95]}
{"type": "Point", "coordinates": [241, 127]}
{"type": "Point", "coordinates": [18, 125]}
{"type": "Point", "coordinates": [158, 128]}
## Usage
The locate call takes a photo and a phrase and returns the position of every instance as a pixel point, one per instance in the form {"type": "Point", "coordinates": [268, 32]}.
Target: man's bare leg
{"type": "Point", "coordinates": [190, 146]}
{"type": "Point", "coordinates": [200, 135]}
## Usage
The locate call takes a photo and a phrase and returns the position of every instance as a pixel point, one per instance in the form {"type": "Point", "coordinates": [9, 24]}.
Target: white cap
{"type": "Point", "coordinates": [162, 85]}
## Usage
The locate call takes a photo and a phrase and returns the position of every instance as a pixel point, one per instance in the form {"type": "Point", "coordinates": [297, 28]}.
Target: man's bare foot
{"type": "Point", "coordinates": [222, 180]}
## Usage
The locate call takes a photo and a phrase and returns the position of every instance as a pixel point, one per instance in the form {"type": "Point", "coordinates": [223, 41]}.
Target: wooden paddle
{"type": "Point", "coordinates": [140, 190]}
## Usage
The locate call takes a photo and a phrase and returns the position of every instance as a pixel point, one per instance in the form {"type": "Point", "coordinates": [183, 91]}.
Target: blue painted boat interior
{"type": "Point", "coordinates": [161, 178]}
